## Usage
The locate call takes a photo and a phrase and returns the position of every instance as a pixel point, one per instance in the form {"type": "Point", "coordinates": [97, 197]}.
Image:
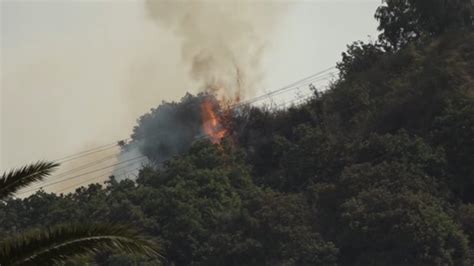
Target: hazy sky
{"type": "Point", "coordinates": [77, 74]}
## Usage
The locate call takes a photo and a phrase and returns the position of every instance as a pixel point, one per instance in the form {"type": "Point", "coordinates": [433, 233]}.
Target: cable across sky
{"type": "Point", "coordinates": [74, 173]}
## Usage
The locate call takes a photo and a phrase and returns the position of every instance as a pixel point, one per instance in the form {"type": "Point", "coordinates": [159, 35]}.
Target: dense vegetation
{"type": "Point", "coordinates": [378, 170]}
{"type": "Point", "coordinates": [59, 244]}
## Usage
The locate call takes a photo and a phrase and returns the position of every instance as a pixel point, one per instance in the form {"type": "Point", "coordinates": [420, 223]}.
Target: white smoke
{"type": "Point", "coordinates": [222, 42]}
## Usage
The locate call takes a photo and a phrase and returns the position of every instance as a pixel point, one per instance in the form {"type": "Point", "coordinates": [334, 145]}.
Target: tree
{"type": "Point", "coordinates": [359, 57]}
{"type": "Point", "coordinates": [57, 244]}
{"type": "Point", "coordinates": [380, 227]}
{"type": "Point", "coordinates": [193, 199]}
{"type": "Point", "coordinates": [12, 181]}
{"type": "Point", "coordinates": [60, 243]}
{"type": "Point", "coordinates": [454, 131]}
{"type": "Point", "coordinates": [169, 129]}
{"type": "Point", "coordinates": [377, 170]}
{"type": "Point", "coordinates": [286, 229]}
{"type": "Point", "coordinates": [402, 21]}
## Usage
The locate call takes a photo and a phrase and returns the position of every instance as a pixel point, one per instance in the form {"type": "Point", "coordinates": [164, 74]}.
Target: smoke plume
{"type": "Point", "coordinates": [222, 42]}
{"type": "Point", "coordinates": [169, 129]}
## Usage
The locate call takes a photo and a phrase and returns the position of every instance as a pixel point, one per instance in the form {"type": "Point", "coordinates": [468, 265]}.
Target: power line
{"type": "Point", "coordinates": [101, 160]}
{"type": "Point", "coordinates": [309, 80]}
{"type": "Point", "coordinates": [77, 169]}
{"type": "Point", "coordinates": [287, 87]}
{"type": "Point", "coordinates": [87, 173]}
{"type": "Point", "coordinates": [291, 86]}
{"type": "Point", "coordinates": [95, 177]}
{"type": "Point", "coordinates": [295, 85]}
{"type": "Point", "coordinates": [89, 152]}
{"type": "Point", "coordinates": [87, 165]}
{"type": "Point", "coordinates": [297, 101]}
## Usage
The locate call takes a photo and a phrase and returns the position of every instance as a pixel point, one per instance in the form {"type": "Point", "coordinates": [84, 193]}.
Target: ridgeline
{"type": "Point", "coordinates": [377, 170]}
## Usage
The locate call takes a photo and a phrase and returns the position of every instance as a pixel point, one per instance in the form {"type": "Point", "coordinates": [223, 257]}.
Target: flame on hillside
{"type": "Point", "coordinates": [212, 124]}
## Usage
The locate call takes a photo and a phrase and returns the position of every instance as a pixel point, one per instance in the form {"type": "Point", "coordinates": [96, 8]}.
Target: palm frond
{"type": "Point", "coordinates": [60, 243]}
{"type": "Point", "coordinates": [13, 180]}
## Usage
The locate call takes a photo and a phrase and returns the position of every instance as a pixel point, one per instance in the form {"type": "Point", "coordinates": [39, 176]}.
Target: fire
{"type": "Point", "coordinates": [212, 126]}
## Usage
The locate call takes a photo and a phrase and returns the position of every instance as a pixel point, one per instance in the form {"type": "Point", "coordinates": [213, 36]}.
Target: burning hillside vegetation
{"type": "Point", "coordinates": [172, 127]}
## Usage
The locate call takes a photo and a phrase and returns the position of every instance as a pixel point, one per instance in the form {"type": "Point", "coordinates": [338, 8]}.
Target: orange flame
{"type": "Point", "coordinates": [211, 124]}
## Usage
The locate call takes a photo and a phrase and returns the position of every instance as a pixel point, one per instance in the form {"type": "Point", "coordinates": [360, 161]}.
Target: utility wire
{"type": "Point", "coordinates": [295, 85]}
{"type": "Point", "coordinates": [87, 165]}
{"type": "Point", "coordinates": [107, 157]}
{"type": "Point", "coordinates": [285, 88]}
{"type": "Point", "coordinates": [89, 152]}
{"type": "Point", "coordinates": [291, 86]}
{"type": "Point", "coordinates": [290, 89]}
{"type": "Point", "coordinates": [77, 169]}
{"type": "Point", "coordinates": [297, 100]}
{"type": "Point", "coordinates": [87, 173]}
{"type": "Point", "coordinates": [94, 178]}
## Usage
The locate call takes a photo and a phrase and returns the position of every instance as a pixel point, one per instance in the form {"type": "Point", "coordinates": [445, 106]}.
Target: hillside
{"type": "Point", "coordinates": [377, 170]}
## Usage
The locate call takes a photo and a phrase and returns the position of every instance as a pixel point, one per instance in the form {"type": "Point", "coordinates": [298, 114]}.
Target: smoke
{"type": "Point", "coordinates": [222, 42]}
{"type": "Point", "coordinates": [164, 132]}
{"type": "Point", "coordinates": [222, 45]}
{"type": "Point", "coordinates": [84, 71]}
{"type": "Point", "coordinates": [75, 75]}
{"type": "Point", "coordinates": [134, 160]}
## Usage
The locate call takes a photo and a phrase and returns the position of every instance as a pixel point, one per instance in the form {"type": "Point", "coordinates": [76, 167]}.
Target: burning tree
{"type": "Point", "coordinates": [172, 127]}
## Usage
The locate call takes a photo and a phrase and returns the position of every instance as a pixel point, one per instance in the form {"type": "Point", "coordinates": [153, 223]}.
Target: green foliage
{"type": "Point", "coordinates": [288, 233]}
{"type": "Point", "coordinates": [402, 21]}
{"type": "Point", "coordinates": [321, 158]}
{"type": "Point", "coordinates": [383, 227]}
{"type": "Point", "coordinates": [358, 58]}
{"type": "Point", "coordinates": [16, 179]}
{"type": "Point", "coordinates": [59, 243]}
{"type": "Point", "coordinates": [378, 170]}
{"type": "Point", "coordinates": [404, 90]}
{"type": "Point", "coordinates": [202, 200]}
{"type": "Point", "coordinates": [454, 130]}
{"type": "Point", "coordinates": [466, 218]}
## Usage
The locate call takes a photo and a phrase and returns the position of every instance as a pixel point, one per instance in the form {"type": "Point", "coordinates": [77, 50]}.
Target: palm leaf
{"type": "Point", "coordinates": [12, 181]}
{"type": "Point", "coordinates": [61, 243]}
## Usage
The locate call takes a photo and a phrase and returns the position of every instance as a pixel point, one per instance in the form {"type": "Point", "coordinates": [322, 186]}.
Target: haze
{"type": "Point", "coordinates": [77, 74]}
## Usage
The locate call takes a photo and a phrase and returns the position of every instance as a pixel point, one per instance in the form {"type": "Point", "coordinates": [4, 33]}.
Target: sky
{"type": "Point", "coordinates": [77, 74]}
